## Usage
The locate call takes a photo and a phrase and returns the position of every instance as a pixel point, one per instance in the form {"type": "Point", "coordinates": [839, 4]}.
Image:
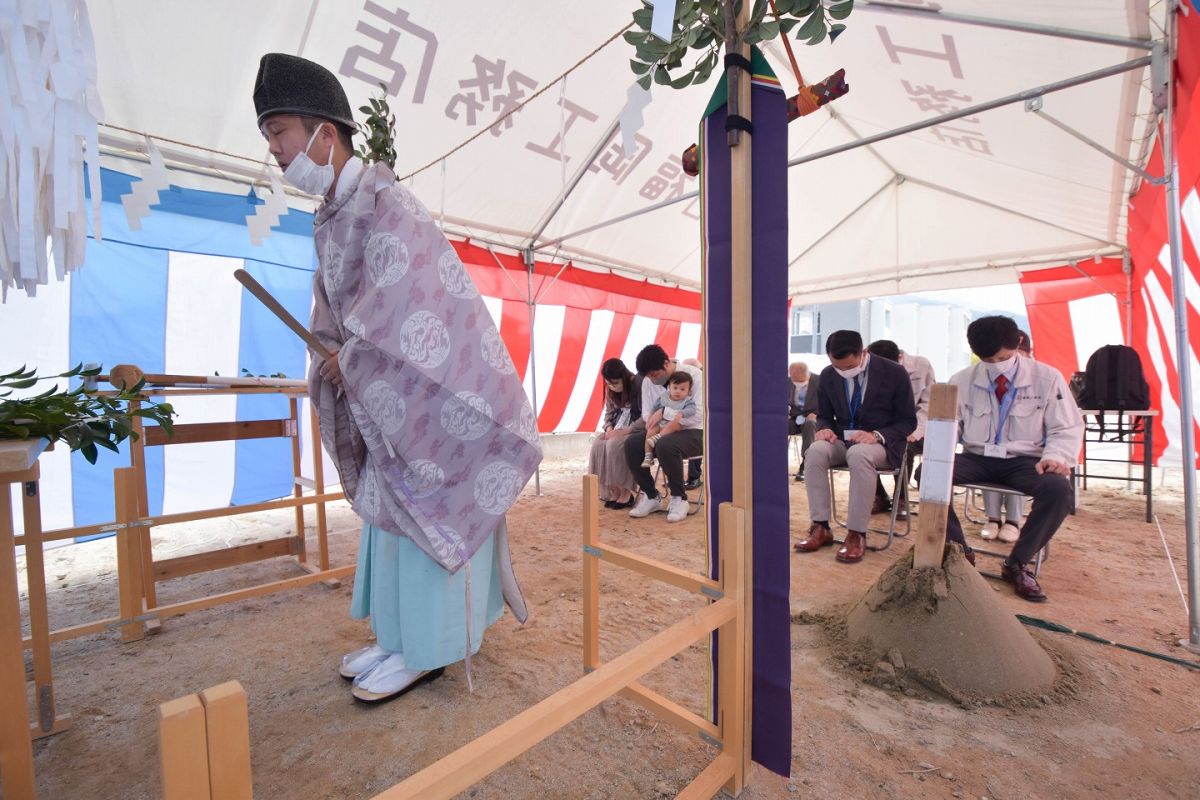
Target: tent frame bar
{"type": "Point", "coordinates": [1035, 106]}
{"type": "Point", "coordinates": [1183, 349]}
{"type": "Point", "coordinates": [1005, 24]}
{"type": "Point", "coordinates": [579, 175]}
{"type": "Point", "coordinates": [895, 180]}
{"type": "Point", "coordinates": [970, 111]}
{"type": "Point", "coordinates": [1019, 97]}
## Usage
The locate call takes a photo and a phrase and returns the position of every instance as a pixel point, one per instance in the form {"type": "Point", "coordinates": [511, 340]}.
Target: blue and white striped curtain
{"type": "Point", "coordinates": [164, 298]}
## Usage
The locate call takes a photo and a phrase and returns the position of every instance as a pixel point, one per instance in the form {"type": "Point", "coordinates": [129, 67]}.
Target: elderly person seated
{"type": "Point", "coordinates": [802, 408]}
{"type": "Point", "coordinates": [622, 416]}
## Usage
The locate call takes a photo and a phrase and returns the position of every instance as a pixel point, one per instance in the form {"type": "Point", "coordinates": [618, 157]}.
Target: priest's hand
{"type": "Point", "coordinates": [330, 370]}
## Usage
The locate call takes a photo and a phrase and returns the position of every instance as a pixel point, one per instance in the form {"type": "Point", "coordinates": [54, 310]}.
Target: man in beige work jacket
{"type": "Point", "coordinates": [1019, 427]}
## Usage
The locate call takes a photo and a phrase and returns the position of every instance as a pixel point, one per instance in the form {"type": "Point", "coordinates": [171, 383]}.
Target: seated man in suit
{"type": "Point", "coordinates": [1019, 427]}
{"type": "Point", "coordinates": [865, 413]}
{"type": "Point", "coordinates": [802, 408]}
{"type": "Point", "coordinates": [920, 373]}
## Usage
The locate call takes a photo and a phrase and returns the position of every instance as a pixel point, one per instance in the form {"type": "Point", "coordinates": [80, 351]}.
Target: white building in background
{"type": "Point", "coordinates": [928, 328]}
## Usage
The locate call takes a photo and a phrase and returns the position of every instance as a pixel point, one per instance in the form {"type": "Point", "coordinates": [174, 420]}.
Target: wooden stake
{"type": "Point", "coordinates": [742, 377]}
{"type": "Point", "coordinates": [319, 488]}
{"type": "Point", "coordinates": [228, 733]}
{"type": "Point", "coordinates": [297, 489]}
{"type": "Point", "coordinates": [937, 469]}
{"type": "Point", "coordinates": [16, 749]}
{"type": "Point", "coordinates": [129, 554]}
{"type": "Point", "coordinates": [733, 676]}
{"type": "Point", "coordinates": [183, 748]}
{"type": "Point", "coordinates": [591, 572]}
{"type": "Point", "coordinates": [48, 722]}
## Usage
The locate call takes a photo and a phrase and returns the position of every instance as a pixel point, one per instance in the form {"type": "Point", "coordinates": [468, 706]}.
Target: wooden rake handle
{"type": "Point", "coordinates": [276, 308]}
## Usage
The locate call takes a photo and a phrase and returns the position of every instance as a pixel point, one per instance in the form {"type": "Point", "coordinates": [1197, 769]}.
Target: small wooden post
{"type": "Point", "coordinates": [591, 573]}
{"type": "Point", "coordinates": [183, 745]}
{"type": "Point", "coordinates": [16, 748]}
{"type": "Point", "coordinates": [297, 488]}
{"type": "Point", "coordinates": [319, 487]}
{"type": "Point", "coordinates": [228, 732]}
{"type": "Point", "coordinates": [733, 712]}
{"type": "Point", "coordinates": [137, 460]}
{"type": "Point", "coordinates": [130, 573]}
{"type": "Point", "coordinates": [48, 723]}
{"type": "Point", "coordinates": [937, 472]}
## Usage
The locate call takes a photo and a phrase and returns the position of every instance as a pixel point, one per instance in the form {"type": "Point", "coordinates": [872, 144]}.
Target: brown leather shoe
{"type": "Point", "coordinates": [969, 554]}
{"type": "Point", "coordinates": [852, 550]}
{"type": "Point", "coordinates": [819, 535]}
{"type": "Point", "coordinates": [1023, 581]}
{"type": "Point", "coordinates": [880, 506]}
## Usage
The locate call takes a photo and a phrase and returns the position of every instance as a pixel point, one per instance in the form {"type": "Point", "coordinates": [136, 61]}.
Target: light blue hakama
{"type": "Point", "coordinates": [416, 607]}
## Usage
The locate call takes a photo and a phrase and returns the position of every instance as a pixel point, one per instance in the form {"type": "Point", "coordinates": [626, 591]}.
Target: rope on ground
{"type": "Point", "coordinates": [1171, 561]}
{"type": "Point", "coordinates": [1034, 622]}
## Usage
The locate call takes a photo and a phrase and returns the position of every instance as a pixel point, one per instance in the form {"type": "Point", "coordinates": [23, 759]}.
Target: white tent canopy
{"type": "Point", "coordinates": [966, 203]}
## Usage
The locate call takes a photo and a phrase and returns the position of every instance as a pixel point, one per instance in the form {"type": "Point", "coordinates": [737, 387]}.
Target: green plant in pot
{"type": "Point", "coordinates": [81, 417]}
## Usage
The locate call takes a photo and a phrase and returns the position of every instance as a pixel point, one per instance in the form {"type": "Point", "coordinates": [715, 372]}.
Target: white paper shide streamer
{"type": "Point", "coordinates": [49, 107]}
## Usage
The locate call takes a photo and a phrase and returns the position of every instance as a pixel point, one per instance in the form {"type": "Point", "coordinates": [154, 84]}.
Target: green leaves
{"type": "Point", "coordinates": [81, 417]}
{"type": "Point", "coordinates": [379, 130]}
{"type": "Point", "coordinates": [700, 26]}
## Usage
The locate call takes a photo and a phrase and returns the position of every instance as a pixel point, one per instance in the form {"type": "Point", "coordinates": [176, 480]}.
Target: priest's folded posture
{"type": "Point", "coordinates": [1019, 427]}
{"type": "Point", "coordinates": [420, 406]}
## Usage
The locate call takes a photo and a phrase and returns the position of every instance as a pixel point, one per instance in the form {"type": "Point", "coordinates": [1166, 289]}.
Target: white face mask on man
{"type": "Point", "coordinates": [304, 174]}
{"type": "Point", "coordinates": [997, 368]}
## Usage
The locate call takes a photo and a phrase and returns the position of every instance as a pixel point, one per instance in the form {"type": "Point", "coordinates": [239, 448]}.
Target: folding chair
{"type": "Point", "coordinates": [901, 476]}
{"type": "Point", "coordinates": [968, 500]}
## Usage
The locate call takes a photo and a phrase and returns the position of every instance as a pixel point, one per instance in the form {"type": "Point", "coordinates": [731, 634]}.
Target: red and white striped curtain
{"type": "Point", "coordinates": [581, 318]}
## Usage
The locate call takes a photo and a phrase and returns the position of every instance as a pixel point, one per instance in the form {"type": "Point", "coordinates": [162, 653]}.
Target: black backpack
{"type": "Point", "coordinates": [1113, 381]}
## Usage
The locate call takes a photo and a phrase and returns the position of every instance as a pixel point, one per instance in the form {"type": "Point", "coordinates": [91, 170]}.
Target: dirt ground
{"type": "Point", "coordinates": [1130, 728]}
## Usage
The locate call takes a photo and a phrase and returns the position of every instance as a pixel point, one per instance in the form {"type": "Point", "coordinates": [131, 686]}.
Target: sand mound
{"type": "Point", "coordinates": [948, 624]}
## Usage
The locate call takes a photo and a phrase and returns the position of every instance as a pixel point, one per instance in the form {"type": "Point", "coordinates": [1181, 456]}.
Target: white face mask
{"type": "Point", "coordinates": [849, 374]}
{"type": "Point", "coordinates": [304, 174]}
{"type": "Point", "coordinates": [1000, 367]}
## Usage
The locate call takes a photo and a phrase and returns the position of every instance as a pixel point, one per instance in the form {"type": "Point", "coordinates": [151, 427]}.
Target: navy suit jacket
{"type": "Point", "coordinates": [887, 405]}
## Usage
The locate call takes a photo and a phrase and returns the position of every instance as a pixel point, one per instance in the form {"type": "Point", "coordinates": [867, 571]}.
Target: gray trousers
{"type": "Point", "coordinates": [1014, 506]}
{"type": "Point", "coordinates": [805, 429]}
{"type": "Point", "coordinates": [863, 460]}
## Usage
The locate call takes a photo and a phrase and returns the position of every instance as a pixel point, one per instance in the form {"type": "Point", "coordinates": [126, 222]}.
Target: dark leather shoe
{"type": "Point", "coordinates": [800, 476]}
{"type": "Point", "coordinates": [1023, 581]}
{"type": "Point", "coordinates": [694, 483]}
{"type": "Point", "coordinates": [880, 506]}
{"type": "Point", "coordinates": [901, 507]}
{"type": "Point", "coordinates": [853, 548]}
{"type": "Point", "coordinates": [819, 535]}
{"type": "Point", "coordinates": [969, 554]}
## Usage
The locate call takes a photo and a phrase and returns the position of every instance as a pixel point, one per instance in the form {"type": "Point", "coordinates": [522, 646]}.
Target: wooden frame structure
{"type": "Point", "coordinates": [137, 570]}
{"type": "Point", "coordinates": [726, 613]}
{"type": "Point", "coordinates": [473, 762]}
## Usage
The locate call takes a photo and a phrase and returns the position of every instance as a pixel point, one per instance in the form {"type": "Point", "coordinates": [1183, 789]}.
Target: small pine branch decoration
{"type": "Point", "coordinates": [379, 131]}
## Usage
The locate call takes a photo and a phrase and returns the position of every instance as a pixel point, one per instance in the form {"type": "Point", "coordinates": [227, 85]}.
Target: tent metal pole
{"type": "Point", "coordinates": [1035, 106]}
{"type": "Point", "coordinates": [1005, 24]}
{"type": "Point", "coordinates": [1019, 97]}
{"type": "Point", "coordinates": [997, 207]}
{"type": "Point", "coordinates": [561, 200]}
{"type": "Point", "coordinates": [895, 180]}
{"type": "Point", "coordinates": [1127, 268]}
{"type": "Point", "coordinates": [1182, 353]}
{"type": "Point", "coordinates": [529, 262]}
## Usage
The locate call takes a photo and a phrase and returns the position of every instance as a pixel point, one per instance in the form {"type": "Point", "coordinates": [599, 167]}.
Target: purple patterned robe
{"type": "Point", "coordinates": [433, 434]}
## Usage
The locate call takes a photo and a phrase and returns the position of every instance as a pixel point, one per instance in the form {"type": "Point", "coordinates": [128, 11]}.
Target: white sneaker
{"type": "Point", "coordinates": [1009, 533]}
{"type": "Point", "coordinates": [677, 509]}
{"type": "Point", "coordinates": [990, 530]}
{"type": "Point", "coordinates": [358, 662]}
{"type": "Point", "coordinates": [648, 461]}
{"type": "Point", "coordinates": [646, 506]}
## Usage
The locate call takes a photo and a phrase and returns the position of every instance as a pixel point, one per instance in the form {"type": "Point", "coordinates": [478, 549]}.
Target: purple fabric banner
{"type": "Point", "coordinates": [772, 712]}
